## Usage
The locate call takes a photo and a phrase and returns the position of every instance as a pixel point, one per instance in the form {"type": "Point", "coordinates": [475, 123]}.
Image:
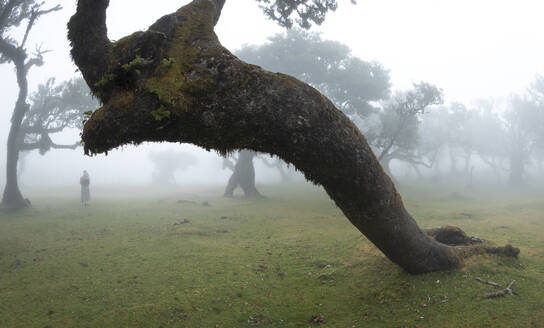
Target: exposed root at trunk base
{"type": "Point", "coordinates": [507, 250]}
{"type": "Point", "coordinates": [15, 205]}
{"type": "Point", "coordinates": [452, 236]}
{"type": "Point", "coordinates": [468, 246]}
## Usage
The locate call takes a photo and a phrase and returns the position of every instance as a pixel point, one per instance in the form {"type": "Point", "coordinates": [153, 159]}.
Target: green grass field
{"type": "Point", "coordinates": [291, 260]}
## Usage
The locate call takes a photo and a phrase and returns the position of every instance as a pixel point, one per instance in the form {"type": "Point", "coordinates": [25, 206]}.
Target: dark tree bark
{"type": "Point", "coordinates": [243, 175]}
{"type": "Point", "coordinates": [175, 82]}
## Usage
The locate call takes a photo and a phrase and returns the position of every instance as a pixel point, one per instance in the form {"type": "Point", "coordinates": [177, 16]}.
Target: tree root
{"type": "Point", "coordinates": [450, 235]}
{"type": "Point", "coordinates": [468, 246]}
{"type": "Point", "coordinates": [507, 250]}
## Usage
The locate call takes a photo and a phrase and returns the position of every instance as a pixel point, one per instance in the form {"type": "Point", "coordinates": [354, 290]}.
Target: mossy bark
{"type": "Point", "coordinates": [208, 97]}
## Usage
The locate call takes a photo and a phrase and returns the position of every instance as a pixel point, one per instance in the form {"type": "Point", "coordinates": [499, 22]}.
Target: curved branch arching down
{"type": "Point", "coordinates": [175, 82]}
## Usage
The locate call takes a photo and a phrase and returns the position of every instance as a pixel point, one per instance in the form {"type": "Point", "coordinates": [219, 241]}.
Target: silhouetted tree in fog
{"type": "Point", "coordinates": [54, 109]}
{"type": "Point", "coordinates": [166, 164]}
{"type": "Point", "coordinates": [12, 14]}
{"type": "Point", "coordinates": [243, 175]}
{"type": "Point", "coordinates": [488, 136]}
{"type": "Point", "coordinates": [397, 134]}
{"type": "Point", "coordinates": [521, 127]}
{"type": "Point", "coordinates": [351, 83]}
{"type": "Point", "coordinates": [208, 97]}
{"type": "Point", "coordinates": [283, 169]}
{"type": "Point", "coordinates": [303, 12]}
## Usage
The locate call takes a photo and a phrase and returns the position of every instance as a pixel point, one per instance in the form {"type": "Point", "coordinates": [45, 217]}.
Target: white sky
{"type": "Point", "coordinates": [471, 48]}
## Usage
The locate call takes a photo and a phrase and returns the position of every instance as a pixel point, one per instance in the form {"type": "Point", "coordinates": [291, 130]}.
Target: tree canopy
{"type": "Point", "coordinates": [350, 83]}
{"type": "Point", "coordinates": [53, 109]}
{"type": "Point", "coordinates": [302, 12]}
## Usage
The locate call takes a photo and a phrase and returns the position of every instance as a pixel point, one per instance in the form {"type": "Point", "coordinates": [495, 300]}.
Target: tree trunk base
{"type": "Point", "coordinates": [13, 202]}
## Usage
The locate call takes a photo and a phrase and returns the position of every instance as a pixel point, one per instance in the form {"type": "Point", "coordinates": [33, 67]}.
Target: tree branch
{"type": "Point", "coordinates": [507, 291]}
{"type": "Point", "coordinates": [34, 15]}
{"type": "Point", "coordinates": [88, 37]}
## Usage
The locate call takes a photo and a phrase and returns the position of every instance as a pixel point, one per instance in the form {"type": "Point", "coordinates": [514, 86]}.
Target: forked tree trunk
{"type": "Point", "coordinates": [243, 176]}
{"type": "Point", "coordinates": [176, 83]}
{"type": "Point", "coordinates": [12, 198]}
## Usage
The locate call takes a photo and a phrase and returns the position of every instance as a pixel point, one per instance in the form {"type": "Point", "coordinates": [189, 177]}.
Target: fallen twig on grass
{"type": "Point", "coordinates": [507, 291]}
{"type": "Point", "coordinates": [488, 282]}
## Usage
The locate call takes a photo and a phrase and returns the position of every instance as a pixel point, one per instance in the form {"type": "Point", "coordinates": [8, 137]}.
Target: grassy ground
{"type": "Point", "coordinates": [151, 261]}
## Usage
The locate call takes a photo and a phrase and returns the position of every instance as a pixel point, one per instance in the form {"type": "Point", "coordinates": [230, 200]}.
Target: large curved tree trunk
{"type": "Point", "coordinates": [176, 83]}
{"type": "Point", "coordinates": [243, 176]}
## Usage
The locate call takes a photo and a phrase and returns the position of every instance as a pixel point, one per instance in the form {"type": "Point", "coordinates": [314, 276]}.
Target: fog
{"type": "Point", "coordinates": [420, 220]}
{"type": "Point", "coordinates": [471, 50]}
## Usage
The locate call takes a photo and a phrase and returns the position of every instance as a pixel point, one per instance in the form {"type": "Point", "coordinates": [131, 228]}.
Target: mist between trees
{"type": "Point", "coordinates": [496, 141]}
{"type": "Point", "coordinates": [413, 134]}
{"type": "Point", "coordinates": [333, 116]}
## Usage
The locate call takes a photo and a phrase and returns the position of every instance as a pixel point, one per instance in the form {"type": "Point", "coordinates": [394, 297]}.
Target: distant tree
{"type": "Point", "coordinates": [176, 82]}
{"type": "Point", "coordinates": [433, 140]}
{"type": "Point", "coordinates": [304, 13]}
{"type": "Point", "coordinates": [243, 175]}
{"type": "Point", "coordinates": [485, 133]}
{"type": "Point", "coordinates": [283, 169]}
{"type": "Point", "coordinates": [396, 137]}
{"type": "Point", "coordinates": [351, 83]}
{"type": "Point", "coordinates": [53, 109]}
{"type": "Point", "coordinates": [461, 141]}
{"type": "Point", "coordinates": [12, 14]}
{"type": "Point", "coordinates": [536, 95]}
{"type": "Point", "coordinates": [166, 164]}
{"type": "Point", "coordinates": [521, 125]}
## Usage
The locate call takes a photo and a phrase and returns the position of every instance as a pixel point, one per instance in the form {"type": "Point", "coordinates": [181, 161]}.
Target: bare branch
{"type": "Point", "coordinates": [488, 282]}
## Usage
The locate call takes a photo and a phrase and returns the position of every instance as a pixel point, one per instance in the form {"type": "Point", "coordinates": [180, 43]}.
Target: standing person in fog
{"type": "Point", "coordinates": [85, 181]}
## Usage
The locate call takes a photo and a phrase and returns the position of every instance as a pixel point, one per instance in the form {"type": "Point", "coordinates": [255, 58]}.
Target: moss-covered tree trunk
{"type": "Point", "coordinates": [243, 176]}
{"type": "Point", "coordinates": [175, 82]}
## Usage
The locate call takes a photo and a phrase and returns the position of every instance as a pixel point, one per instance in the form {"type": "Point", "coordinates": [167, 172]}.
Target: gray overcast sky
{"type": "Point", "coordinates": [470, 48]}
